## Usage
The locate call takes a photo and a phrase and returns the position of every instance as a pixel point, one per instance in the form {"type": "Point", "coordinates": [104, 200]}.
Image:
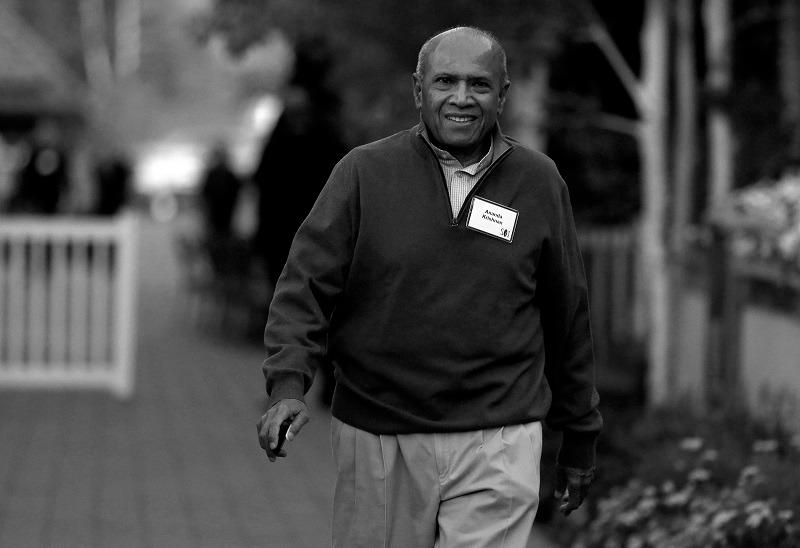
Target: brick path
{"type": "Point", "coordinates": [176, 466]}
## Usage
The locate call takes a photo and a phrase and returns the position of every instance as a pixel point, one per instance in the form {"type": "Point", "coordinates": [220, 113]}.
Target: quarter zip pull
{"type": "Point", "coordinates": [475, 188]}
{"type": "Point", "coordinates": [456, 220]}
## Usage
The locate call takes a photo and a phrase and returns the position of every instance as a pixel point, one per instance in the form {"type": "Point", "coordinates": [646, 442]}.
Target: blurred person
{"type": "Point", "coordinates": [293, 167]}
{"type": "Point", "coordinates": [439, 272]}
{"type": "Point", "coordinates": [43, 177]}
{"type": "Point", "coordinates": [219, 192]}
{"type": "Point", "coordinates": [9, 158]}
{"type": "Point", "coordinates": [288, 182]}
{"type": "Point", "coordinates": [112, 179]}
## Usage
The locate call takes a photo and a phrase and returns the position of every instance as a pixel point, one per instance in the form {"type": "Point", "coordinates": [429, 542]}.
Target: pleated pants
{"type": "Point", "coordinates": [477, 489]}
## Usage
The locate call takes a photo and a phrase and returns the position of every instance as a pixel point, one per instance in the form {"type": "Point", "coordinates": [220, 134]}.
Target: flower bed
{"type": "Point", "coordinates": [693, 482]}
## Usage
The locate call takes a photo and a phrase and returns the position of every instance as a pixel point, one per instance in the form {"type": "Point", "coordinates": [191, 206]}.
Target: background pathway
{"type": "Point", "coordinates": [178, 465]}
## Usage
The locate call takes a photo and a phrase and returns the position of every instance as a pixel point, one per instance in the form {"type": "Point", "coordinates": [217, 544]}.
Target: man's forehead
{"type": "Point", "coordinates": [467, 47]}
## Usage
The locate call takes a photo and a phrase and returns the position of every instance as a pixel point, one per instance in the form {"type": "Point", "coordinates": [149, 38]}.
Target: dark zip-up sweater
{"type": "Point", "coordinates": [432, 326]}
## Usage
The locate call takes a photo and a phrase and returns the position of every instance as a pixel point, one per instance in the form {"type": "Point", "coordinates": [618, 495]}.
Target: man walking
{"type": "Point", "coordinates": [439, 273]}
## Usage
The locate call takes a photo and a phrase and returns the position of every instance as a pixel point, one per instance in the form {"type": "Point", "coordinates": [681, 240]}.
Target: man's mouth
{"type": "Point", "coordinates": [460, 118]}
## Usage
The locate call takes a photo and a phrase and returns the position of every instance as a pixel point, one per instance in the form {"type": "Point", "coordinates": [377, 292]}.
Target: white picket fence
{"type": "Point", "coordinates": [68, 302]}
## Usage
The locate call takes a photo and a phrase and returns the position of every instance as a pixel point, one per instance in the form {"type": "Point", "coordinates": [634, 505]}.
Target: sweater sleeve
{"type": "Point", "coordinates": [307, 290]}
{"type": "Point", "coordinates": [569, 360]}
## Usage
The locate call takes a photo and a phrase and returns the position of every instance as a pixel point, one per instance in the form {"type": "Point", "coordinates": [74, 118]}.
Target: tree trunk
{"type": "Point", "coordinates": [649, 94]}
{"type": "Point", "coordinates": [684, 148]}
{"type": "Point", "coordinates": [653, 145]}
{"type": "Point", "coordinates": [790, 73]}
{"type": "Point", "coordinates": [719, 370]}
{"type": "Point", "coordinates": [528, 103]}
{"type": "Point", "coordinates": [127, 37]}
{"type": "Point", "coordinates": [718, 83]}
{"type": "Point", "coordinates": [96, 54]}
{"type": "Point", "coordinates": [684, 160]}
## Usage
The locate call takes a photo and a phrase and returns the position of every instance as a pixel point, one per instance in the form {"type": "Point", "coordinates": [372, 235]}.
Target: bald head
{"type": "Point", "coordinates": [458, 32]}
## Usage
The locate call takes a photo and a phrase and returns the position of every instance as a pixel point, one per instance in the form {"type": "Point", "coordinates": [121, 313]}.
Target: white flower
{"type": "Point", "coordinates": [787, 243]}
{"type": "Point", "coordinates": [634, 542]}
{"type": "Point", "coordinates": [722, 519]}
{"type": "Point", "coordinates": [749, 474]}
{"type": "Point", "coordinates": [755, 519]}
{"type": "Point", "coordinates": [758, 507]}
{"type": "Point", "coordinates": [744, 246]}
{"type": "Point", "coordinates": [628, 518]}
{"type": "Point", "coordinates": [765, 446]}
{"type": "Point", "coordinates": [679, 498]}
{"type": "Point", "coordinates": [699, 475]}
{"type": "Point", "coordinates": [646, 505]}
{"type": "Point", "coordinates": [691, 444]}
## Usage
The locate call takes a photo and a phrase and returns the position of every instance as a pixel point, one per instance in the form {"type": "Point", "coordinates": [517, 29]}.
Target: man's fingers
{"type": "Point", "coordinates": [298, 423]}
{"type": "Point", "coordinates": [561, 482]}
{"type": "Point", "coordinates": [572, 498]}
{"type": "Point", "coordinates": [272, 431]}
{"type": "Point", "coordinates": [262, 432]}
{"type": "Point", "coordinates": [572, 486]}
{"type": "Point", "coordinates": [568, 502]}
{"type": "Point", "coordinates": [269, 426]}
{"type": "Point", "coordinates": [575, 493]}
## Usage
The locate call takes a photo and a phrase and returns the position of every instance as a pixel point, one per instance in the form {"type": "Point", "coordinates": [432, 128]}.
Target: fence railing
{"type": "Point", "coordinates": [609, 258]}
{"type": "Point", "coordinates": [67, 303]}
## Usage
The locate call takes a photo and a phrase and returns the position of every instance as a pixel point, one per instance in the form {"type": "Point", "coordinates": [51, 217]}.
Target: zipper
{"type": "Point", "coordinates": [477, 186]}
{"type": "Point", "coordinates": [454, 221]}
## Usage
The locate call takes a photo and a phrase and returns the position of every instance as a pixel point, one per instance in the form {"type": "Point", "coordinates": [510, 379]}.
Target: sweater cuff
{"type": "Point", "coordinates": [577, 449]}
{"type": "Point", "coordinates": [286, 387]}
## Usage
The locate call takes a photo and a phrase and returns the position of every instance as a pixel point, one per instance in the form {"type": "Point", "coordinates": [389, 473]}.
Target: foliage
{"type": "Point", "coordinates": [682, 480]}
{"type": "Point", "coordinates": [698, 514]}
{"type": "Point", "coordinates": [764, 220]}
{"type": "Point", "coordinates": [373, 44]}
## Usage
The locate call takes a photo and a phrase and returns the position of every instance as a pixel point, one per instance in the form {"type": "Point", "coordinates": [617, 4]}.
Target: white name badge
{"type": "Point", "coordinates": [492, 218]}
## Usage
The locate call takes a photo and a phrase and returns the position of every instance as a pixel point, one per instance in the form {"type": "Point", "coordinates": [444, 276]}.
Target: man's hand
{"type": "Point", "coordinates": [571, 487]}
{"type": "Point", "coordinates": [270, 422]}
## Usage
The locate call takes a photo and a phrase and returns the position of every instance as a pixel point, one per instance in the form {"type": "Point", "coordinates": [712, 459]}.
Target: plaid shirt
{"type": "Point", "coordinates": [460, 179]}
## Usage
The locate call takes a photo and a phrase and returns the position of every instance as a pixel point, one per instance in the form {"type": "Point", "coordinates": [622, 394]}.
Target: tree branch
{"type": "Point", "coordinates": [618, 124]}
{"type": "Point", "coordinates": [598, 33]}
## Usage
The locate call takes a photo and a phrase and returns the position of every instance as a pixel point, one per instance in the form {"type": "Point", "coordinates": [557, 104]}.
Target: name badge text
{"type": "Point", "coordinates": [492, 218]}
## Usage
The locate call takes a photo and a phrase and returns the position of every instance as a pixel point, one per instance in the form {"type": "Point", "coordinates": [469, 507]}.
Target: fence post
{"type": "Point", "coordinates": [125, 348]}
{"type": "Point", "coordinates": [726, 299]}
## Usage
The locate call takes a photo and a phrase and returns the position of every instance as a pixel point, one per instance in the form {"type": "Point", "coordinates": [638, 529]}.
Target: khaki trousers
{"type": "Point", "coordinates": [476, 489]}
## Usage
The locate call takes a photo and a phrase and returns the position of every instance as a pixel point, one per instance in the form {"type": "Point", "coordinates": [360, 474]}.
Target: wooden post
{"type": "Point", "coordinates": [727, 295]}
{"type": "Point", "coordinates": [125, 342]}
{"type": "Point", "coordinates": [716, 303]}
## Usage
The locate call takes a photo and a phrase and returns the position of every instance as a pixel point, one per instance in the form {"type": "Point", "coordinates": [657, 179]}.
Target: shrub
{"type": "Point", "coordinates": [724, 481]}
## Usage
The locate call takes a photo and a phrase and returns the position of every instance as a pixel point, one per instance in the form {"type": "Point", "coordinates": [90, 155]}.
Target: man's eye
{"type": "Point", "coordinates": [481, 85]}
{"type": "Point", "coordinates": [444, 80]}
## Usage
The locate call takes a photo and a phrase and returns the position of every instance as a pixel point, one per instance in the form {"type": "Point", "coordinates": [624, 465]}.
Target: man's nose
{"type": "Point", "coordinates": [461, 96]}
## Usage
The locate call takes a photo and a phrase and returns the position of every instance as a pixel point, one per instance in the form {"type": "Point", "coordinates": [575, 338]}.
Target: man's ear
{"type": "Point", "coordinates": [417, 83]}
{"type": "Point", "coordinates": [503, 94]}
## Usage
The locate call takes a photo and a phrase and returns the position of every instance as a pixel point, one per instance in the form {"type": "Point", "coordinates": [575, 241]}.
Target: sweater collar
{"type": "Point", "coordinates": [500, 142]}
{"type": "Point", "coordinates": [447, 159]}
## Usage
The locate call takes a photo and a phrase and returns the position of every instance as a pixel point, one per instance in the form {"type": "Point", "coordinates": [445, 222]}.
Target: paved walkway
{"type": "Point", "coordinates": [178, 465]}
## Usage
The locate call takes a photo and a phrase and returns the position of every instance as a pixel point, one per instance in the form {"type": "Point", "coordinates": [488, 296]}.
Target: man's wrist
{"type": "Point", "coordinates": [287, 387]}
{"type": "Point", "coordinates": [577, 450]}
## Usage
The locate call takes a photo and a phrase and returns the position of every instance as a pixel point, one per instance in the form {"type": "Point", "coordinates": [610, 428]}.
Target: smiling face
{"type": "Point", "coordinates": [461, 93]}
